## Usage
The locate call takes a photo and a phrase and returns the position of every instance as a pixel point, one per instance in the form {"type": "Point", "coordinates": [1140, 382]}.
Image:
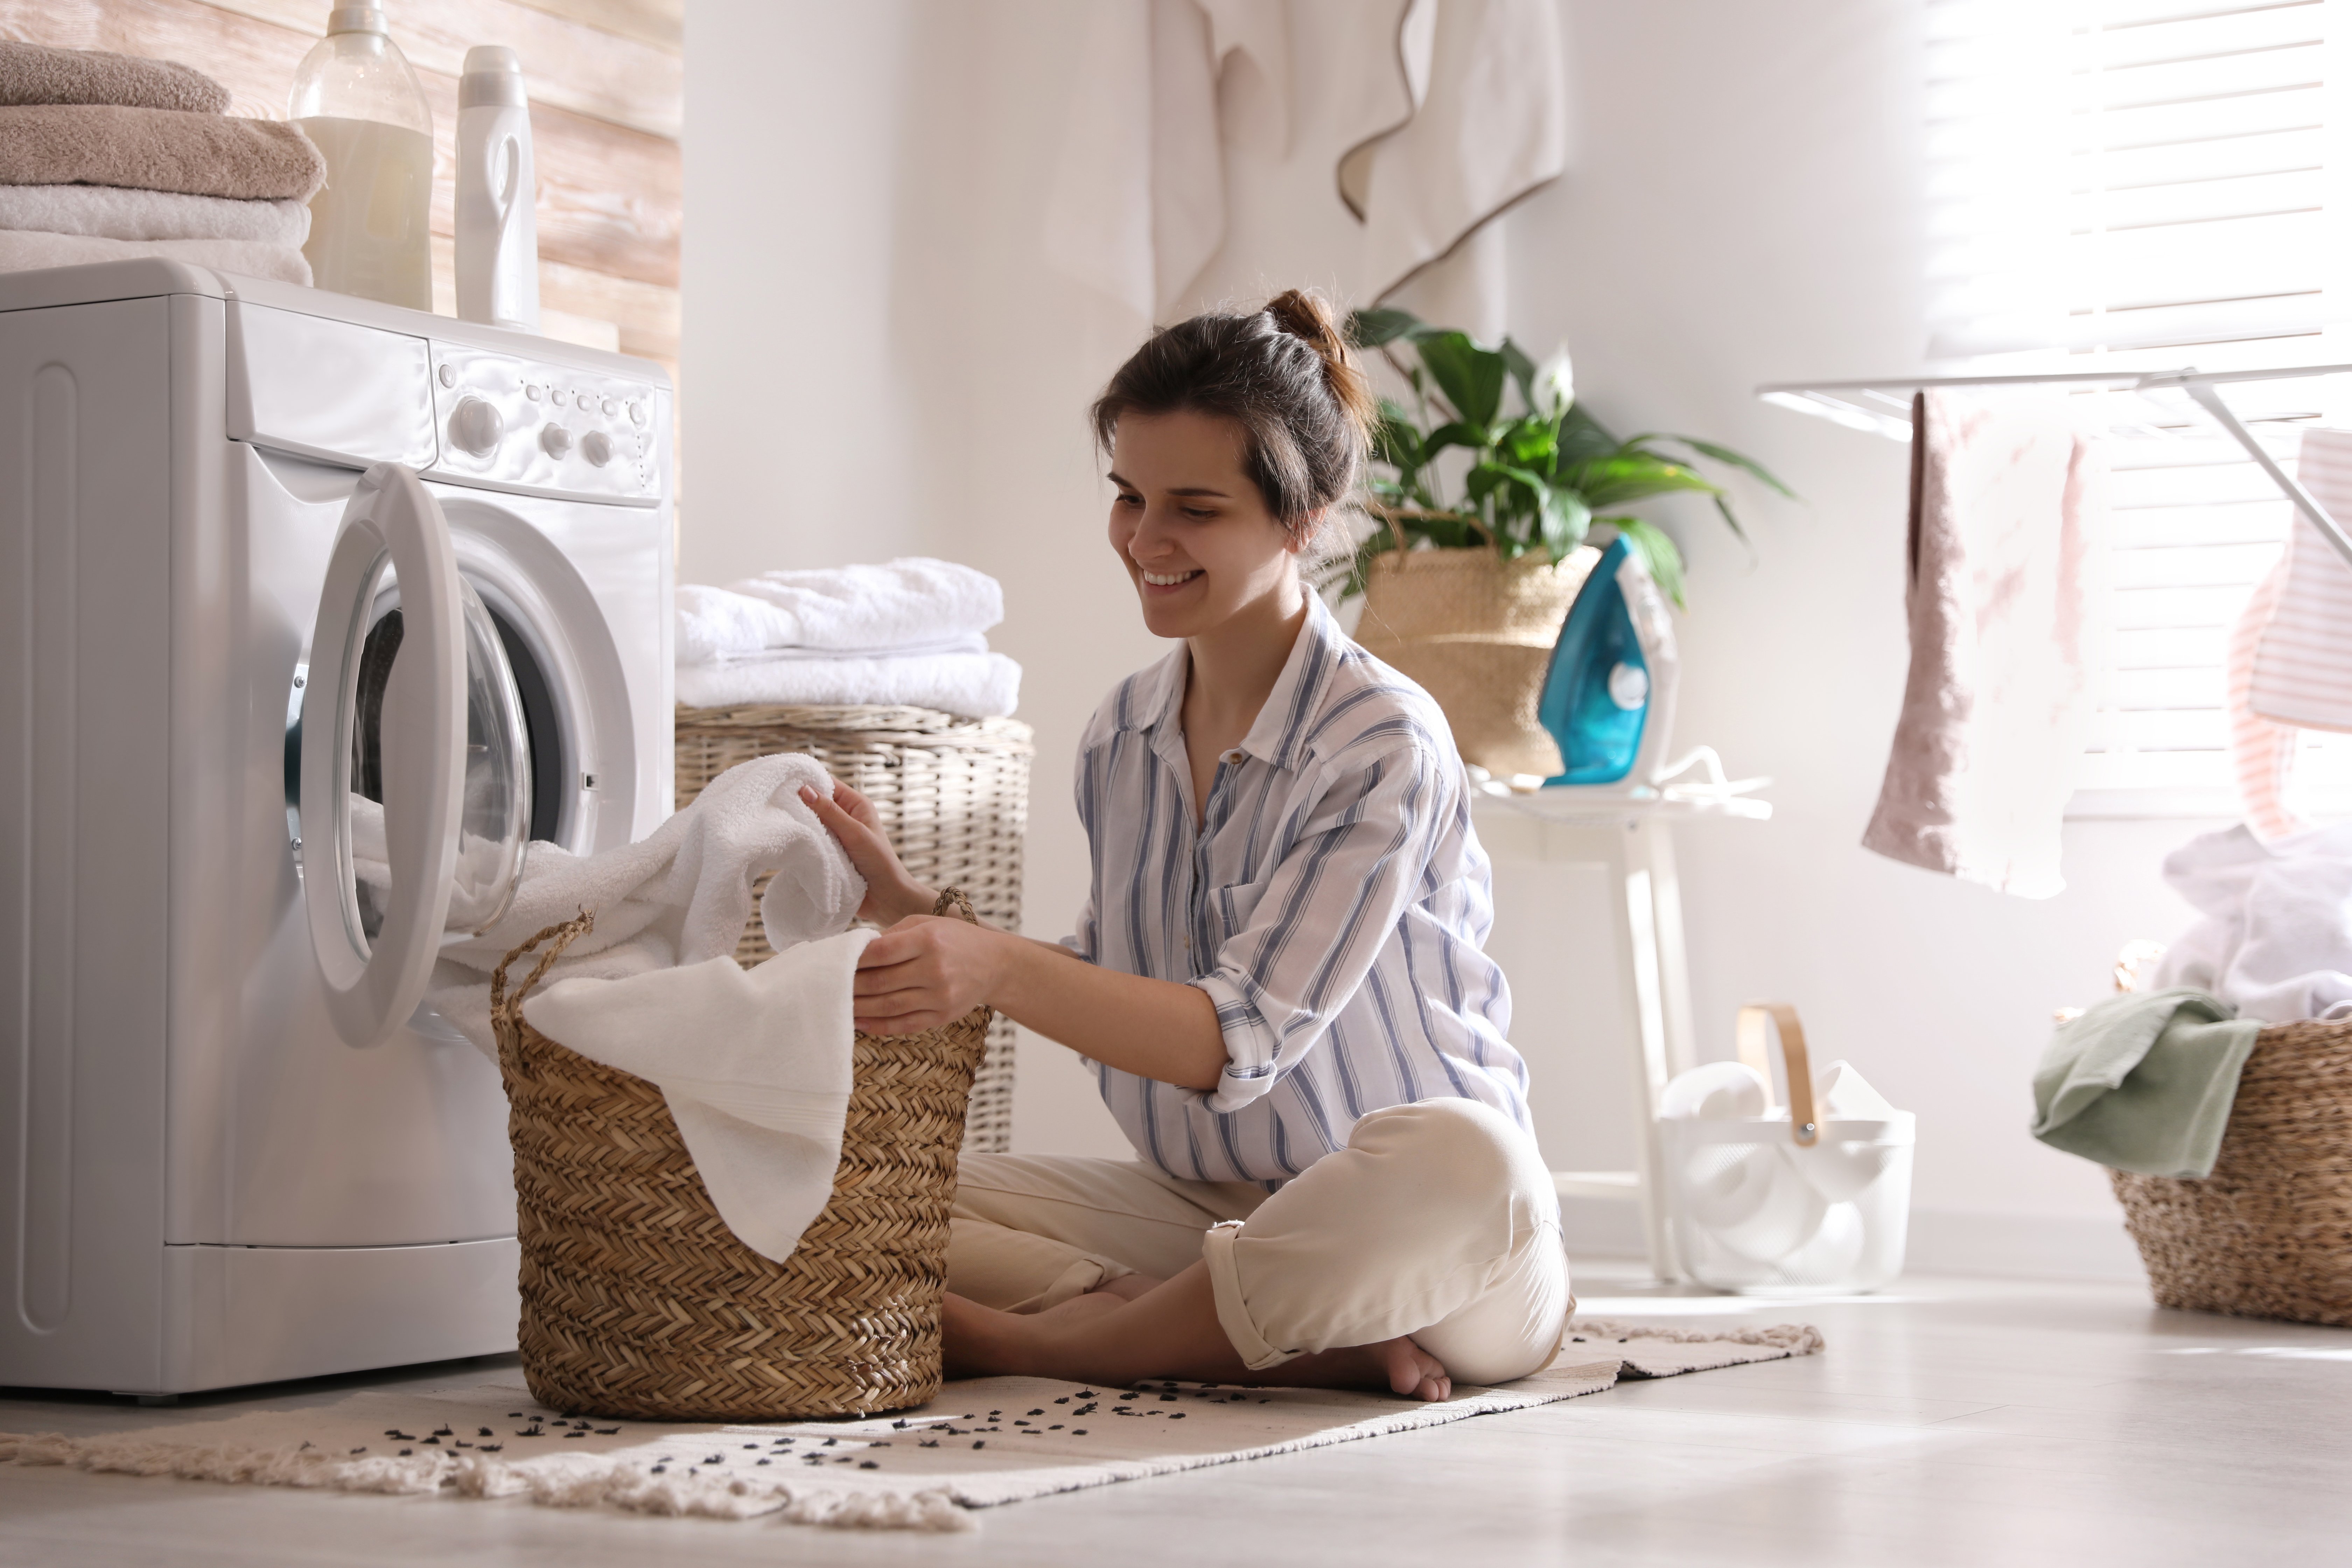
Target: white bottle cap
{"type": "Point", "coordinates": [367, 17]}
{"type": "Point", "coordinates": [493, 78]}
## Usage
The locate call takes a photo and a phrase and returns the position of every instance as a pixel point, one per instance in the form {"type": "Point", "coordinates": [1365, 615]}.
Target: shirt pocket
{"type": "Point", "coordinates": [1230, 910]}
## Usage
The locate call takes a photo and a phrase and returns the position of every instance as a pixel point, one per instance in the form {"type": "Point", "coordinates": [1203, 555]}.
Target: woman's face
{"type": "Point", "coordinates": [1191, 527]}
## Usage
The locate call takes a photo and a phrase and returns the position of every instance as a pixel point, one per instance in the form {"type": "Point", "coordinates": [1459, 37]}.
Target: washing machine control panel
{"type": "Point", "coordinates": [540, 427]}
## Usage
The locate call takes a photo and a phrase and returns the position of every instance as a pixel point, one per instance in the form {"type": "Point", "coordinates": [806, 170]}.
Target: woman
{"type": "Point", "coordinates": [1277, 977]}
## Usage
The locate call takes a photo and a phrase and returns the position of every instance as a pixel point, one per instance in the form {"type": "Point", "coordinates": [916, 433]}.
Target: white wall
{"type": "Point", "coordinates": [877, 362]}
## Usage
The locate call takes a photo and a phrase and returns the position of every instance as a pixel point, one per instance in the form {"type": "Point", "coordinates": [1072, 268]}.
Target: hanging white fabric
{"type": "Point", "coordinates": [1443, 113]}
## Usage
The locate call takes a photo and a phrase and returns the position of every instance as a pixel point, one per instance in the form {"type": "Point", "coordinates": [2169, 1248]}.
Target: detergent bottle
{"type": "Point", "coordinates": [356, 98]}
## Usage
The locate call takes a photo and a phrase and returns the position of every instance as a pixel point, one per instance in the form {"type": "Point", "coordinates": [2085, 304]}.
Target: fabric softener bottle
{"type": "Point", "coordinates": [355, 96]}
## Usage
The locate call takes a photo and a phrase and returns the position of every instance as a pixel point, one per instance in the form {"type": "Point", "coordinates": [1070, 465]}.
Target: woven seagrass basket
{"type": "Point", "coordinates": [2269, 1233]}
{"type": "Point", "coordinates": [1476, 633]}
{"type": "Point", "coordinates": [638, 1302]}
{"type": "Point", "coordinates": [951, 793]}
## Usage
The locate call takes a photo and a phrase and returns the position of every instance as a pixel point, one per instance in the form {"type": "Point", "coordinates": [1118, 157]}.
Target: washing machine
{"type": "Point", "coordinates": [314, 614]}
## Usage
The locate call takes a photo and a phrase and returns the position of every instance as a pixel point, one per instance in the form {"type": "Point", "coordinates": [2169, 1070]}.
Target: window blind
{"type": "Point", "coordinates": [2148, 184]}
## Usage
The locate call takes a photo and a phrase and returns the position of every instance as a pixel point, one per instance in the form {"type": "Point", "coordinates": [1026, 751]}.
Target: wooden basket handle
{"type": "Point", "coordinates": [1804, 1124]}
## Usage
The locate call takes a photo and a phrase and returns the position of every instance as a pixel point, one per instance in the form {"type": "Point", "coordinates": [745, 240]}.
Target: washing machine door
{"type": "Point", "coordinates": [416, 766]}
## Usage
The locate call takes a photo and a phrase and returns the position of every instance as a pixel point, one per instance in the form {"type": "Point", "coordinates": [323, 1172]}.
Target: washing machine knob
{"type": "Point", "coordinates": [475, 426]}
{"type": "Point", "coordinates": [597, 447]}
{"type": "Point", "coordinates": [554, 440]}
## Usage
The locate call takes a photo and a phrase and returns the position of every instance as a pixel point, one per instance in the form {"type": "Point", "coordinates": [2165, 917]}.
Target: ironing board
{"type": "Point", "coordinates": [1634, 840]}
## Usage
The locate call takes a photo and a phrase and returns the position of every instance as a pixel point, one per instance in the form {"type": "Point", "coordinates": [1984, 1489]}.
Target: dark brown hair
{"type": "Point", "coordinates": [1283, 375]}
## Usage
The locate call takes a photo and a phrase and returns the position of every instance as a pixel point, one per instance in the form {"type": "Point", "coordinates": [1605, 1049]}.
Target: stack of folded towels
{"type": "Point", "coordinates": [905, 634]}
{"type": "Point", "coordinates": [106, 156]}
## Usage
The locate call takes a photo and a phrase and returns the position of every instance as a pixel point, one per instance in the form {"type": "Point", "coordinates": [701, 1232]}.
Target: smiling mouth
{"type": "Point", "coordinates": [1168, 579]}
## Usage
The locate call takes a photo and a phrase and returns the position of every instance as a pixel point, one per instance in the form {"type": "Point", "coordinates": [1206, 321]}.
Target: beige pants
{"type": "Point", "coordinates": [1437, 1220]}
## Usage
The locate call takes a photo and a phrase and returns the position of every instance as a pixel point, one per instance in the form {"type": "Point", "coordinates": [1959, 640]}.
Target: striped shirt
{"type": "Point", "coordinates": [1333, 904]}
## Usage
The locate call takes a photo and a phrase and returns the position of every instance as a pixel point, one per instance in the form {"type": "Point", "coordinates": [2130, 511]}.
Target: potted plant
{"type": "Point", "coordinates": [1472, 561]}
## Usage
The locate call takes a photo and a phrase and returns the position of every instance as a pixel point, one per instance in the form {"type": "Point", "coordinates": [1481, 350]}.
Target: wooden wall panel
{"type": "Point", "coordinates": [573, 66]}
{"type": "Point", "coordinates": [605, 78]}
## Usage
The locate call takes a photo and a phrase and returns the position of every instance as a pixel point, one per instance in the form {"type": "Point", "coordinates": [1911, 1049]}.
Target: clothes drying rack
{"type": "Point", "coordinates": [1883, 407]}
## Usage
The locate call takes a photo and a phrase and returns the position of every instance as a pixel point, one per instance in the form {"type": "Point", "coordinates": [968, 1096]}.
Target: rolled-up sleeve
{"type": "Point", "coordinates": [1082, 941]}
{"type": "Point", "coordinates": [1316, 924]}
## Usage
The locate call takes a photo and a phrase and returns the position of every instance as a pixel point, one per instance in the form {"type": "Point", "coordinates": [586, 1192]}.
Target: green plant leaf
{"type": "Point", "coordinates": [1566, 520]}
{"type": "Point", "coordinates": [1396, 441]}
{"type": "Point", "coordinates": [1471, 377]}
{"type": "Point", "coordinates": [1582, 440]}
{"type": "Point", "coordinates": [1724, 455]}
{"type": "Point", "coordinates": [1657, 552]}
{"type": "Point", "coordinates": [1381, 325]}
{"type": "Point", "coordinates": [1630, 473]}
{"type": "Point", "coordinates": [1529, 443]}
{"type": "Point", "coordinates": [1454, 434]}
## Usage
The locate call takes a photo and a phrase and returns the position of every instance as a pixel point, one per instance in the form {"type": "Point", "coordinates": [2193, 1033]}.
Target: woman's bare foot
{"type": "Point", "coordinates": [1168, 1330]}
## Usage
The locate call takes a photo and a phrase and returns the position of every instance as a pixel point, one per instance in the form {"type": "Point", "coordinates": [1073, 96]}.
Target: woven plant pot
{"type": "Point", "coordinates": [638, 1302]}
{"type": "Point", "coordinates": [1476, 633]}
{"type": "Point", "coordinates": [2269, 1233]}
{"type": "Point", "coordinates": [952, 795]}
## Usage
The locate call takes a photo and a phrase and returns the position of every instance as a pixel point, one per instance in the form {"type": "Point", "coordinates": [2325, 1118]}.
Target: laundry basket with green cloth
{"type": "Point", "coordinates": [2229, 1142]}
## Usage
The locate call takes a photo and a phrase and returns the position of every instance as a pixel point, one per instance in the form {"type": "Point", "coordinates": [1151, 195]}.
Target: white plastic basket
{"type": "Point", "coordinates": [1787, 1200]}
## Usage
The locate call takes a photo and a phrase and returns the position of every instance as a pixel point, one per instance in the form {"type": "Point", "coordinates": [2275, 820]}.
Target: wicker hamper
{"type": "Point", "coordinates": [638, 1302]}
{"type": "Point", "coordinates": [952, 795]}
{"type": "Point", "coordinates": [2269, 1233]}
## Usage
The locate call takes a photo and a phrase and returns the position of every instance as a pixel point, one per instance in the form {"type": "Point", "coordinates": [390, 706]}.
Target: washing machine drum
{"type": "Point", "coordinates": [416, 761]}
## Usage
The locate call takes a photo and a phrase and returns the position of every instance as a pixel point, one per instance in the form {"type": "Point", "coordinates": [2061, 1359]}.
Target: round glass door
{"type": "Point", "coordinates": [415, 764]}
{"type": "Point", "coordinates": [494, 820]}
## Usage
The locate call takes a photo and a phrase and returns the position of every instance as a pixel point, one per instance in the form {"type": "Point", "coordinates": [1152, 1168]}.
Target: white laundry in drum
{"type": "Point", "coordinates": [1769, 1198]}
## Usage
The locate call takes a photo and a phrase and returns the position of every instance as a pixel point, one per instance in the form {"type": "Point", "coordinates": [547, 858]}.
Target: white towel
{"type": "Point", "coordinates": [2303, 662]}
{"type": "Point", "coordinates": [24, 250]}
{"type": "Point", "coordinates": [677, 897]}
{"type": "Point", "coordinates": [903, 603]}
{"type": "Point", "coordinates": [2008, 520]}
{"type": "Point", "coordinates": [974, 685]}
{"type": "Point", "coordinates": [755, 1066]}
{"type": "Point", "coordinates": [112, 212]}
{"type": "Point", "coordinates": [1137, 206]}
{"type": "Point", "coordinates": [2274, 937]}
{"type": "Point", "coordinates": [1487, 123]}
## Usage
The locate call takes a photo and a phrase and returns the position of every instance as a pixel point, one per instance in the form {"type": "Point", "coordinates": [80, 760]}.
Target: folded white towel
{"type": "Point", "coordinates": [904, 604]}
{"type": "Point", "coordinates": [24, 250]}
{"type": "Point", "coordinates": [112, 212]}
{"type": "Point", "coordinates": [755, 1066]}
{"type": "Point", "coordinates": [975, 685]}
{"type": "Point", "coordinates": [677, 897]}
{"type": "Point", "coordinates": [974, 642]}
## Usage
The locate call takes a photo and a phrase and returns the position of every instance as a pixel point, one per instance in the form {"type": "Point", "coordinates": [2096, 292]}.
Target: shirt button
{"type": "Point", "coordinates": [1233, 757]}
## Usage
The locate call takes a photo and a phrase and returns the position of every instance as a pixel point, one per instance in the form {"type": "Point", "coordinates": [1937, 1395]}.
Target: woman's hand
{"type": "Point", "coordinates": [925, 971]}
{"type": "Point", "coordinates": [891, 894]}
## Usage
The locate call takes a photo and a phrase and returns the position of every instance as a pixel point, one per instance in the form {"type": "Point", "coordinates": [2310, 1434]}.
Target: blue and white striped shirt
{"type": "Point", "coordinates": [1333, 904]}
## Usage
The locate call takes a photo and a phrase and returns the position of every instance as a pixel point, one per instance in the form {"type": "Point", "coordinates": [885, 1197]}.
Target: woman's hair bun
{"type": "Point", "coordinates": [1307, 317]}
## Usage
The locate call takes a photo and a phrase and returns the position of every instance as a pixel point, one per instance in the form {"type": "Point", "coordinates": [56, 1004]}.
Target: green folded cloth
{"type": "Point", "coordinates": [2144, 1083]}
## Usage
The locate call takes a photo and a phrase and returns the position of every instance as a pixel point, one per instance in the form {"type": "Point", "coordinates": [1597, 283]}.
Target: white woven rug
{"type": "Point", "coordinates": [981, 1443]}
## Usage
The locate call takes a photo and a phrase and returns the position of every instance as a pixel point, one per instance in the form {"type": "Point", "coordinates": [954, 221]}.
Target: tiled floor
{"type": "Point", "coordinates": [1962, 1422]}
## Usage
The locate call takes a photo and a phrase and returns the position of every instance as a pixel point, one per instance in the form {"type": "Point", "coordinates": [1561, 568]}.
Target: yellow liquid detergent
{"type": "Point", "coordinates": [370, 223]}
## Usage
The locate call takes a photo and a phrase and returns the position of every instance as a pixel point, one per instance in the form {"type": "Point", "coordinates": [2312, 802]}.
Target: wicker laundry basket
{"type": "Point", "coordinates": [638, 1302]}
{"type": "Point", "coordinates": [952, 795]}
{"type": "Point", "coordinates": [2269, 1233]}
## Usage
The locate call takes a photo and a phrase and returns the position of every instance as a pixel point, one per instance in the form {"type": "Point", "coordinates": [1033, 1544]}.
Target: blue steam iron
{"type": "Point", "coordinates": [1609, 697]}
